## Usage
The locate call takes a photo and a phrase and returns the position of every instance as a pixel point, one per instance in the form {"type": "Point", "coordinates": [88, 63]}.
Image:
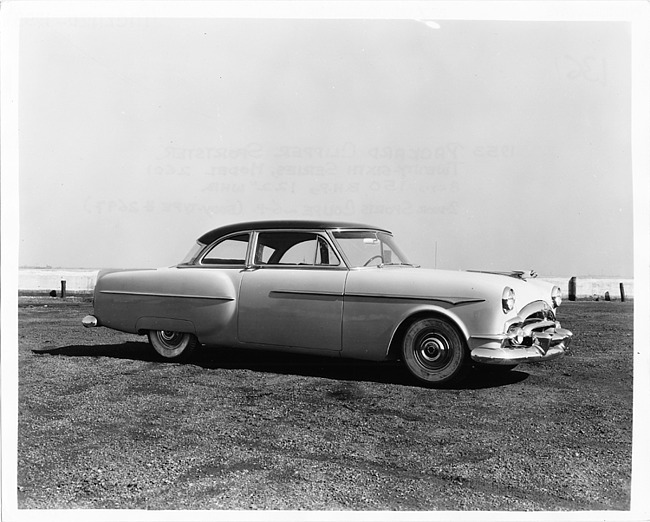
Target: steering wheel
{"type": "Point", "coordinates": [372, 258]}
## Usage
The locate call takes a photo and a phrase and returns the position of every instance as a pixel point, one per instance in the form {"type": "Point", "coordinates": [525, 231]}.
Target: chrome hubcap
{"type": "Point", "coordinates": [170, 339]}
{"type": "Point", "coordinates": [433, 351]}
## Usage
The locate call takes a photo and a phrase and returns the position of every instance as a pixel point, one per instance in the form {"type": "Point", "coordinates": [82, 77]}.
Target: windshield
{"type": "Point", "coordinates": [369, 248]}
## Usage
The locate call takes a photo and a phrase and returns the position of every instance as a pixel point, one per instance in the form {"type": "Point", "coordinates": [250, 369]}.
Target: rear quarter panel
{"type": "Point", "coordinates": [199, 300]}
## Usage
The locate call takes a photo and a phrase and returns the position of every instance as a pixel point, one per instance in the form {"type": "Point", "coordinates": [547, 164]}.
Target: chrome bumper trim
{"type": "Point", "coordinates": [519, 355]}
{"type": "Point", "coordinates": [547, 345]}
{"type": "Point", "coordinates": [90, 321]}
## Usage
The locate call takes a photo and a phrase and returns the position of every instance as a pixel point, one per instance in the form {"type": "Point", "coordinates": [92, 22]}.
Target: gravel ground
{"type": "Point", "coordinates": [103, 423]}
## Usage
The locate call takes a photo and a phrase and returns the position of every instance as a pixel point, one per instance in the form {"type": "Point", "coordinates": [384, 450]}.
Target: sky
{"type": "Point", "coordinates": [481, 144]}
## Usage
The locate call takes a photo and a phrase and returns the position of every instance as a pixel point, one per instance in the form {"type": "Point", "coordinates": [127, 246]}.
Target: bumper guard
{"type": "Point", "coordinates": [544, 345]}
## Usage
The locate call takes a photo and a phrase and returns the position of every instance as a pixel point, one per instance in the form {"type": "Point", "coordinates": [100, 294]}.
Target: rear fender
{"type": "Point", "coordinates": [201, 301]}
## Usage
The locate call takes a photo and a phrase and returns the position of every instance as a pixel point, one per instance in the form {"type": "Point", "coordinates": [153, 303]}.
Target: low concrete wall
{"type": "Point", "coordinates": [47, 279]}
{"type": "Point", "coordinates": [79, 280]}
{"type": "Point", "coordinates": [594, 287]}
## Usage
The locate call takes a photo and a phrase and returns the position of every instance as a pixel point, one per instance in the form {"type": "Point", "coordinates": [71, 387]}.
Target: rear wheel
{"type": "Point", "coordinates": [173, 346]}
{"type": "Point", "coordinates": [434, 352]}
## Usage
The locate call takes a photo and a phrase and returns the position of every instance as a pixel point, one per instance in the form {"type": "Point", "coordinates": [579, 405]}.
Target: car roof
{"type": "Point", "coordinates": [213, 235]}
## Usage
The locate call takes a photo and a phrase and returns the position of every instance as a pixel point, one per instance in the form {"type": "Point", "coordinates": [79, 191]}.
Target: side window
{"type": "Point", "coordinates": [302, 253]}
{"type": "Point", "coordinates": [294, 248]}
{"type": "Point", "coordinates": [230, 251]}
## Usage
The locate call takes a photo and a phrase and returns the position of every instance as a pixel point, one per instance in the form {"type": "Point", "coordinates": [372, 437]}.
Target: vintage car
{"type": "Point", "coordinates": [334, 289]}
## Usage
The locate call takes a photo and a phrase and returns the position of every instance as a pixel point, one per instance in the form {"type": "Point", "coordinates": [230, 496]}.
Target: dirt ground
{"type": "Point", "coordinates": [104, 423]}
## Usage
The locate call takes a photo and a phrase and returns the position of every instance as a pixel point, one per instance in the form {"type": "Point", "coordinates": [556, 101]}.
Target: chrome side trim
{"type": "Point", "coordinates": [517, 274]}
{"type": "Point", "coordinates": [450, 300]}
{"type": "Point", "coordinates": [156, 294]}
{"type": "Point", "coordinates": [307, 292]}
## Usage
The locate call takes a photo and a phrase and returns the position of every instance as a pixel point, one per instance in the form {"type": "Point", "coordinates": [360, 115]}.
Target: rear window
{"type": "Point", "coordinates": [228, 251]}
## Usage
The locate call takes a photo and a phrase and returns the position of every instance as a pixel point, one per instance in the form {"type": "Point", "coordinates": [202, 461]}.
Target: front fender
{"type": "Point", "coordinates": [371, 328]}
{"type": "Point", "coordinates": [433, 310]}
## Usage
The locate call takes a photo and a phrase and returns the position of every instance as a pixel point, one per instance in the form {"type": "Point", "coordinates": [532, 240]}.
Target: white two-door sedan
{"type": "Point", "coordinates": [334, 289]}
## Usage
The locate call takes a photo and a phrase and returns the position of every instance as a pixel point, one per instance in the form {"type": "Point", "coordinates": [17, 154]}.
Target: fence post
{"type": "Point", "coordinates": [572, 289]}
{"type": "Point", "coordinates": [63, 289]}
{"type": "Point", "coordinates": [622, 292]}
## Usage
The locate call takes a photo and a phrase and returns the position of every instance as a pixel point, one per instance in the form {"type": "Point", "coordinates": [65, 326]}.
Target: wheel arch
{"type": "Point", "coordinates": [145, 324]}
{"type": "Point", "coordinates": [395, 344]}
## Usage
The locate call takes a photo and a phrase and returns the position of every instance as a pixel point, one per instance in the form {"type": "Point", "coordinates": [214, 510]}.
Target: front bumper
{"type": "Point", "coordinates": [542, 340]}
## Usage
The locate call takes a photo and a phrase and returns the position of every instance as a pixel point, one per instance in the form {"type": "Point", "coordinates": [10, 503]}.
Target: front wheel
{"type": "Point", "coordinates": [173, 346]}
{"type": "Point", "coordinates": [434, 352]}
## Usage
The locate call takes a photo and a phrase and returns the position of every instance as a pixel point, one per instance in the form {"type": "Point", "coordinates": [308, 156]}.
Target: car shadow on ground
{"type": "Point", "coordinates": [389, 372]}
{"type": "Point", "coordinates": [132, 350]}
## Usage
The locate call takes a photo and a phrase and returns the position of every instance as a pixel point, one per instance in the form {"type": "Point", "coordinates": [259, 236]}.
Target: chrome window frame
{"type": "Point", "coordinates": [249, 261]}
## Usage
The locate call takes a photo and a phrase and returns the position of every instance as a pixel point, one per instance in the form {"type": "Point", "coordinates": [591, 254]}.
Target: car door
{"type": "Point", "coordinates": [292, 295]}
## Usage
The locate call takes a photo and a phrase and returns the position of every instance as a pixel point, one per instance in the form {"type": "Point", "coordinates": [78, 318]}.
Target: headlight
{"type": "Point", "coordinates": [508, 299]}
{"type": "Point", "coordinates": [556, 296]}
